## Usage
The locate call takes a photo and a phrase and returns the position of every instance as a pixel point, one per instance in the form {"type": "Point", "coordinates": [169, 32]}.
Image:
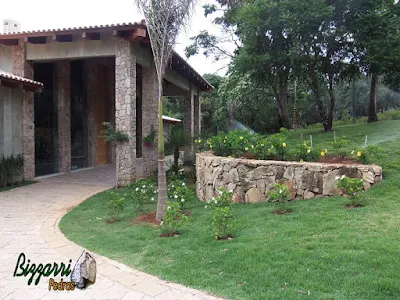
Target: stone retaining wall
{"type": "Point", "coordinates": [250, 180]}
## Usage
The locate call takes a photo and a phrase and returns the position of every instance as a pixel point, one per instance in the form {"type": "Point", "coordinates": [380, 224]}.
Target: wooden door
{"type": "Point", "coordinates": [102, 113]}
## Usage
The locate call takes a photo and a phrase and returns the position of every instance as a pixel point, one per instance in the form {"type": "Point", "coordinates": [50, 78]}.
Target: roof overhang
{"type": "Point", "coordinates": [17, 82]}
{"type": "Point", "coordinates": [134, 32]}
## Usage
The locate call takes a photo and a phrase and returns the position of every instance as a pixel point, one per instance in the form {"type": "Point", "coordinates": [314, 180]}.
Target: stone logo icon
{"type": "Point", "coordinates": [84, 271]}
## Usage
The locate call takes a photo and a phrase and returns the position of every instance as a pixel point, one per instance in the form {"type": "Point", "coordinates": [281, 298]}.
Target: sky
{"type": "Point", "coordinates": [48, 14]}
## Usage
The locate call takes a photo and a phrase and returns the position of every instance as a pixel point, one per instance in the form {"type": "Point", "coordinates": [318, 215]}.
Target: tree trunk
{"type": "Point", "coordinates": [162, 177]}
{"type": "Point", "coordinates": [329, 123]}
{"type": "Point", "coordinates": [282, 105]}
{"type": "Point", "coordinates": [176, 158]}
{"type": "Point", "coordinates": [372, 115]}
{"type": "Point", "coordinates": [320, 104]}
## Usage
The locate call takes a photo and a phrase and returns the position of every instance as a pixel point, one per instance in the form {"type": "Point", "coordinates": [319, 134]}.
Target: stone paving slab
{"type": "Point", "coordinates": [29, 218]}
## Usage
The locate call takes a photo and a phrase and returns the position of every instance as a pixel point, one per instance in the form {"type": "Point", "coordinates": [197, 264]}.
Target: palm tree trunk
{"type": "Point", "coordinates": [176, 158]}
{"type": "Point", "coordinates": [162, 177]}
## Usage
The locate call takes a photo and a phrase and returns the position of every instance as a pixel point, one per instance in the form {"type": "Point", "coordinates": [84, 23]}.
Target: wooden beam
{"type": "Point", "coordinates": [91, 36]}
{"type": "Point", "coordinates": [10, 42]}
{"type": "Point", "coordinates": [136, 34]}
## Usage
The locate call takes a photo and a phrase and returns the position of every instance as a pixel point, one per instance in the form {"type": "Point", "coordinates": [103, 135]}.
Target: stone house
{"type": "Point", "coordinates": [58, 86]}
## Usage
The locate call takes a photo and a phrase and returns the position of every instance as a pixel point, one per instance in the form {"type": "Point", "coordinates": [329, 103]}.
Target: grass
{"type": "Point", "coordinates": [320, 251]}
{"type": "Point", "coordinates": [10, 187]}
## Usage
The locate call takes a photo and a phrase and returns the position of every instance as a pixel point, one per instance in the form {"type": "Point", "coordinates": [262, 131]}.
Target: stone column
{"type": "Point", "coordinates": [91, 71]}
{"type": "Point", "coordinates": [150, 118]}
{"type": "Point", "coordinates": [125, 111]}
{"type": "Point", "coordinates": [23, 68]}
{"type": "Point", "coordinates": [188, 123]}
{"type": "Point", "coordinates": [197, 113]}
{"type": "Point", "coordinates": [64, 115]}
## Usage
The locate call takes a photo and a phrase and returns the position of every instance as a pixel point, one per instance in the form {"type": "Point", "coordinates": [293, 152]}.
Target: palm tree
{"type": "Point", "coordinates": [176, 139]}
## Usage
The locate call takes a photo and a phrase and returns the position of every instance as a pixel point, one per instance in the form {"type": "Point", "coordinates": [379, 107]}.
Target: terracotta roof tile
{"type": "Point", "coordinates": [6, 75]}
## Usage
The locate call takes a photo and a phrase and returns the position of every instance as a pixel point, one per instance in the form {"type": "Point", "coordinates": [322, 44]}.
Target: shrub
{"type": "Point", "coordinates": [222, 216]}
{"type": "Point", "coordinates": [11, 169]}
{"type": "Point", "coordinates": [110, 134]}
{"type": "Point", "coordinates": [352, 187]}
{"type": "Point", "coordinates": [115, 206]}
{"type": "Point", "coordinates": [280, 194]}
{"type": "Point", "coordinates": [173, 219]}
{"type": "Point", "coordinates": [142, 192]}
{"type": "Point", "coordinates": [180, 193]}
{"type": "Point", "coordinates": [279, 144]}
{"type": "Point", "coordinates": [339, 144]}
{"type": "Point", "coordinates": [369, 154]}
{"type": "Point", "coordinates": [304, 152]}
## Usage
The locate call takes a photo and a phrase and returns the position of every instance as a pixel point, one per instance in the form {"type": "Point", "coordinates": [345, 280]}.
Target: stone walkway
{"type": "Point", "coordinates": [29, 219]}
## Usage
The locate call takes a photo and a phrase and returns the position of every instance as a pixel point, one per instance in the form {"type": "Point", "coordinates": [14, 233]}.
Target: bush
{"type": "Point", "coordinates": [352, 187]}
{"type": "Point", "coordinates": [222, 216]}
{"type": "Point", "coordinates": [369, 154]}
{"type": "Point", "coordinates": [304, 152]}
{"type": "Point", "coordinates": [173, 219]}
{"type": "Point", "coordinates": [180, 193]}
{"type": "Point", "coordinates": [280, 194]}
{"type": "Point", "coordinates": [11, 169]}
{"type": "Point", "coordinates": [142, 192]}
{"type": "Point", "coordinates": [115, 206]}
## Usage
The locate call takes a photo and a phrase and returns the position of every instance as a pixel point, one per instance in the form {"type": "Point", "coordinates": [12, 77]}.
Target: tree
{"type": "Point", "coordinates": [164, 19]}
{"type": "Point", "coordinates": [176, 139]}
{"type": "Point", "coordinates": [376, 26]}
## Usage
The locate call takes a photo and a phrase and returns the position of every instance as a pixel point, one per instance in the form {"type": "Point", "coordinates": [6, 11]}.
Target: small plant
{"type": "Point", "coordinates": [352, 187]}
{"type": "Point", "coordinates": [142, 192]}
{"type": "Point", "coordinates": [173, 219]}
{"type": "Point", "coordinates": [280, 194]}
{"type": "Point", "coordinates": [110, 134]}
{"type": "Point", "coordinates": [115, 206]}
{"type": "Point", "coordinates": [148, 141]}
{"type": "Point", "coordinates": [180, 193]}
{"type": "Point", "coordinates": [11, 169]}
{"type": "Point", "coordinates": [304, 152]}
{"type": "Point", "coordinates": [222, 216]}
{"type": "Point", "coordinates": [339, 144]}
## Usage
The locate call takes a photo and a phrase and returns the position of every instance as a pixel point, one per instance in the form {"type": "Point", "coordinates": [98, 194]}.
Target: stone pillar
{"type": "Point", "coordinates": [28, 134]}
{"type": "Point", "coordinates": [64, 115]}
{"type": "Point", "coordinates": [91, 71]}
{"type": "Point", "coordinates": [23, 68]}
{"type": "Point", "coordinates": [197, 113]}
{"type": "Point", "coordinates": [125, 111]}
{"type": "Point", "coordinates": [188, 123]}
{"type": "Point", "coordinates": [150, 118]}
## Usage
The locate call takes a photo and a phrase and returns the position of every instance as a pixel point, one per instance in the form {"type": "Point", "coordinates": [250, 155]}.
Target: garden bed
{"type": "Point", "coordinates": [250, 180]}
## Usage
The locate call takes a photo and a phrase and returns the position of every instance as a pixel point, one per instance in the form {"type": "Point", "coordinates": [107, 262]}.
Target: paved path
{"type": "Point", "coordinates": [29, 219]}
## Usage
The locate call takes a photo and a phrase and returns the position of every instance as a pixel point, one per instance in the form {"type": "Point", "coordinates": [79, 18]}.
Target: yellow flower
{"type": "Point", "coordinates": [326, 151]}
{"type": "Point", "coordinates": [308, 150]}
{"type": "Point", "coordinates": [241, 138]}
{"type": "Point", "coordinates": [252, 146]}
{"type": "Point", "coordinates": [211, 146]}
{"type": "Point", "coordinates": [229, 156]}
{"type": "Point", "coordinates": [269, 150]}
{"type": "Point", "coordinates": [322, 153]}
{"type": "Point", "coordinates": [352, 152]}
{"type": "Point", "coordinates": [284, 145]}
{"type": "Point", "coordinates": [247, 148]}
{"type": "Point", "coordinates": [199, 141]}
{"type": "Point", "coordinates": [359, 154]}
{"type": "Point", "coordinates": [305, 145]}
{"type": "Point", "coordinates": [224, 141]}
{"type": "Point", "coordinates": [301, 160]}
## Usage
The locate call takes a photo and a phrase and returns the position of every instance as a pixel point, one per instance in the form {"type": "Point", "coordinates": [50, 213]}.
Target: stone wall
{"type": "Point", "coordinates": [250, 180]}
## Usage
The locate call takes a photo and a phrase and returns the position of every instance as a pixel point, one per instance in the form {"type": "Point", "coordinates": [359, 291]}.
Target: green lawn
{"type": "Point", "coordinates": [320, 251]}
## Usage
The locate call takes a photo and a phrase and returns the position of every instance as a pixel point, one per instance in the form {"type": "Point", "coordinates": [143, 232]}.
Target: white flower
{"type": "Point", "coordinates": [215, 201]}
{"type": "Point", "coordinates": [144, 186]}
{"type": "Point", "coordinates": [337, 177]}
{"type": "Point", "coordinates": [182, 200]}
{"type": "Point", "coordinates": [280, 191]}
{"type": "Point", "coordinates": [172, 186]}
{"type": "Point", "coordinates": [343, 177]}
{"type": "Point", "coordinates": [137, 189]}
{"type": "Point", "coordinates": [183, 184]}
{"type": "Point", "coordinates": [176, 196]}
{"type": "Point", "coordinates": [155, 192]}
{"type": "Point", "coordinates": [206, 207]}
{"type": "Point", "coordinates": [162, 222]}
{"type": "Point", "coordinates": [219, 192]}
{"type": "Point", "coordinates": [152, 198]}
{"type": "Point", "coordinates": [169, 207]}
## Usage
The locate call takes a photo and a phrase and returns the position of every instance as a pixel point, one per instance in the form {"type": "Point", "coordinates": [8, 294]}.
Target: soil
{"type": "Point", "coordinates": [169, 234]}
{"type": "Point", "coordinates": [351, 206]}
{"type": "Point", "coordinates": [282, 211]}
{"type": "Point", "coordinates": [187, 213]}
{"type": "Point", "coordinates": [149, 218]}
{"type": "Point", "coordinates": [225, 238]}
{"type": "Point", "coordinates": [112, 221]}
{"type": "Point", "coordinates": [338, 160]}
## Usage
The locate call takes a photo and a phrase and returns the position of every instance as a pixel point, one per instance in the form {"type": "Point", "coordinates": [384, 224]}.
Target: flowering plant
{"type": "Point", "coordinates": [280, 194]}
{"type": "Point", "coordinates": [352, 187]}
{"type": "Point", "coordinates": [115, 206]}
{"type": "Point", "coordinates": [142, 192]}
{"type": "Point", "coordinates": [180, 193]}
{"type": "Point", "coordinates": [222, 216]}
{"type": "Point", "coordinates": [173, 219]}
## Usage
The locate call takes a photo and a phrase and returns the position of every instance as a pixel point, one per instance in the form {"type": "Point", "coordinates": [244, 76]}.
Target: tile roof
{"type": "Point", "coordinates": [6, 75]}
